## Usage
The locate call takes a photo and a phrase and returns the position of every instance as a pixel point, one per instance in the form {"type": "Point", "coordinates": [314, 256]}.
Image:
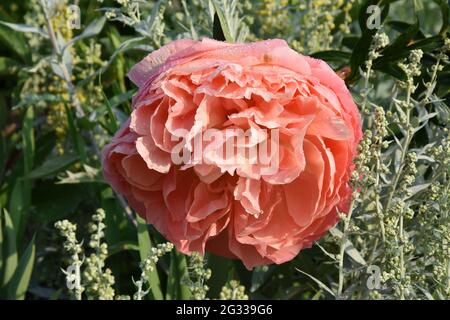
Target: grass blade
{"type": "Point", "coordinates": [18, 285]}
{"type": "Point", "coordinates": [178, 272]}
{"type": "Point", "coordinates": [145, 244]}
{"type": "Point", "coordinates": [1, 244]}
{"type": "Point", "coordinates": [320, 283]}
{"type": "Point", "coordinates": [10, 255]}
{"type": "Point", "coordinates": [221, 29]}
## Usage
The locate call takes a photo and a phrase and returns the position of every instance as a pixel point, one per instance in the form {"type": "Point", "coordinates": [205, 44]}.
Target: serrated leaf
{"type": "Point", "coordinates": [18, 285]}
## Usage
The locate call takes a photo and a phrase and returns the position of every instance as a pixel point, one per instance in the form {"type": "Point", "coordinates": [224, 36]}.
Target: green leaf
{"type": "Point", "coordinates": [10, 255]}
{"type": "Point", "coordinates": [259, 277]}
{"type": "Point", "coordinates": [53, 202]}
{"type": "Point", "coordinates": [1, 245]}
{"type": "Point", "coordinates": [19, 207]}
{"type": "Point", "coordinates": [394, 50]}
{"type": "Point", "coordinates": [333, 56]}
{"type": "Point", "coordinates": [178, 273]}
{"type": "Point", "coordinates": [362, 47]}
{"type": "Point", "coordinates": [220, 28]}
{"type": "Point", "coordinates": [393, 70]}
{"type": "Point", "coordinates": [15, 41]}
{"type": "Point", "coordinates": [428, 44]}
{"type": "Point", "coordinates": [112, 104]}
{"type": "Point", "coordinates": [52, 166]}
{"type": "Point", "coordinates": [144, 241]}
{"type": "Point", "coordinates": [75, 135]}
{"type": "Point", "coordinates": [217, 29]}
{"type": "Point", "coordinates": [444, 5]}
{"type": "Point", "coordinates": [350, 41]}
{"type": "Point", "coordinates": [320, 283]}
{"type": "Point", "coordinates": [220, 267]}
{"type": "Point", "coordinates": [18, 285]}
{"type": "Point", "coordinates": [145, 245]}
{"type": "Point", "coordinates": [28, 139]}
{"type": "Point", "coordinates": [32, 99]}
{"type": "Point", "coordinates": [17, 204]}
{"type": "Point", "coordinates": [349, 248]}
{"type": "Point", "coordinates": [122, 246]}
{"type": "Point", "coordinates": [24, 28]}
{"type": "Point", "coordinates": [8, 66]}
{"type": "Point", "coordinates": [116, 41]}
{"type": "Point", "coordinates": [402, 27]}
{"type": "Point", "coordinates": [88, 175]}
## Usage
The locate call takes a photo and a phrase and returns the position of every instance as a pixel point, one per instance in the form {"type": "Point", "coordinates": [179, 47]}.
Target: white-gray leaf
{"type": "Point", "coordinates": [25, 28]}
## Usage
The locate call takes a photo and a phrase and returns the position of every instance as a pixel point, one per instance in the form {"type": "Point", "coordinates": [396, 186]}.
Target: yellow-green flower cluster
{"type": "Point", "coordinates": [147, 266]}
{"type": "Point", "coordinates": [71, 245]}
{"type": "Point", "coordinates": [99, 281]}
{"type": "Point", "coordinates": [198, 276]}
{"type": "Point", "coordinates": [233, 290]}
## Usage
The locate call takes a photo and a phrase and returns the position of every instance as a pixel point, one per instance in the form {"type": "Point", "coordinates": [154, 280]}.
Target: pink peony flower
{"type": "Point", "coordinates": [261, 212]}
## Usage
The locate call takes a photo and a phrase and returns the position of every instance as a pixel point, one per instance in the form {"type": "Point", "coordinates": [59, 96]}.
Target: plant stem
{"type": "Point", "coordinates": [342, 247]}
{"type": "Point", "coordinates": [59, 55]}
{"type": "Point", "coordinates": [75, 101]}
{"type": "Point", "coordinates": [377, 201]}
{"type": "Point", "coordinates": [406, 142]}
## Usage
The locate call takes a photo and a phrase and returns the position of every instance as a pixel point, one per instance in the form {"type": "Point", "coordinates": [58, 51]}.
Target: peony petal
{"type": "Point", "coordinates": [145, 69]}
{"type": "Point", "coordinates": [155, 158]}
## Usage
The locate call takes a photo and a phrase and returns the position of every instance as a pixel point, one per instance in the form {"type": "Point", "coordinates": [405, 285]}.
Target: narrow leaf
{"type": "Point", "coordinates": [18, 285]}
{"type": "Point", "coordinates": [223, 33]}
{"type": "Point", "coordinates": [178, 273]}
{"type": "Point", "coordinates": [320, 283]}
{"type": "Point", "coordinates": [52, 166]}
{"type": "Point", "coordinates": [10, 256]}
{"type": "Point", "coordinates": [24, 28]}
{"type": "Point", "coordinates": [144, 249]}
{"type": "Point", "coordinates": [349, 248]}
